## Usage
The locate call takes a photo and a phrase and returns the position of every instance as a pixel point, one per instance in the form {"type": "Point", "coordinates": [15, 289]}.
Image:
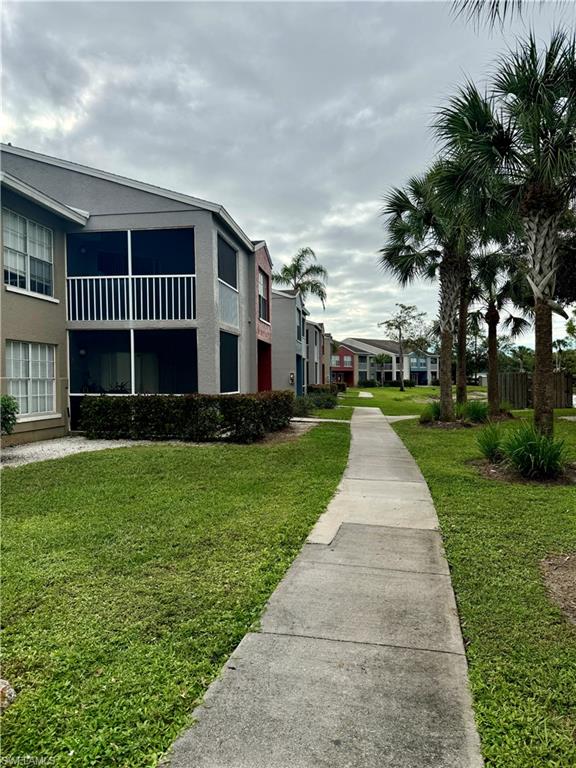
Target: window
{"type": "Point", "coordinates": [298, 325]}
{"type": "Point", "coordinates": [163, 252]}
{"type": "Point", "coordinates": [97, 254]}
{"type": "Point", "coordinates": [363, 359]}
{"type": "Point", "coordinates": [348, 361]}
{"type": "Point", "coordinates": [165, 361]}
{"type": "Point", "coordinates": [228, 362]}
{"type": "Point", "coordinates": [100, 362]}
{"type": "Point", "coordinates": [334, 360]}
{"type": "Point", "coordinates": [227, 263]}
{"type": "Point", "coordinates": [263, 296]}
{"type": "Point", "coordinates": [28, 254]}
{"type": "Point", "coordinates": [30, 371]}
{"type": "Point", "coordinates": [433, 361]}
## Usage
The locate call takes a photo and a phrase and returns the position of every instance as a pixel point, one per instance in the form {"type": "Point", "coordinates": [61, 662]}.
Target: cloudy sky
{"type": "Point", "coordinates": [295, 116]}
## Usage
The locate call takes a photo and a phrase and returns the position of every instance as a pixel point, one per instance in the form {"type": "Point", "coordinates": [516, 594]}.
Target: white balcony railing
{"type": "Point", "coordinates": [141, 297]}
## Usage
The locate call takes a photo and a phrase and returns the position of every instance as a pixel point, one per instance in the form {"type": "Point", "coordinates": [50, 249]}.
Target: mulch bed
{"type": "Point", "coordinates": [559, 574]}
{"type": "Point", "coordinates": [506, 475]}
{"type": "Point", "coordinates": [293, 432]}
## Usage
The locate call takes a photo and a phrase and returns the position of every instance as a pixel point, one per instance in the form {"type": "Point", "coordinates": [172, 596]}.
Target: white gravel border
{"type": "Point", "coordinates": [43, 450]}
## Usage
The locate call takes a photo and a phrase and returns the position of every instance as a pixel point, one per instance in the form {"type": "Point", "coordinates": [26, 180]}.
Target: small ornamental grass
{"type": "Point", "coordinates": [534, 455]}
{"type": "Point", "coordinates": [430, 413]}
{"type": "Point", "coordinates": [490, 442]}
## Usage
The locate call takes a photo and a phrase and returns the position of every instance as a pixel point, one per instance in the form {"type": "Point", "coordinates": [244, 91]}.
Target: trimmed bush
{"type": "Point", "coordinates": [325, 388]}
{"type": "Point", "coordinates": [196, 418]}
{"type": "Point", "coordinates": [490, 442]}
{"type": "Point", "coordinates": [8, 413]}
{"type": "Point", "coordinates": [534, 455]}
{"type": "Point", "coordinates": [303, 406]}
{"type": "Point", "coordinates": [323, 399]}
{"type": "Point", "coordinates": [369, 383]}
{"type": "Point", "coordinates": [341, 386]}
{"type": "Point", "coordinates": [107, 417]}
{"type": "Point", "coordinates": [430, 413]}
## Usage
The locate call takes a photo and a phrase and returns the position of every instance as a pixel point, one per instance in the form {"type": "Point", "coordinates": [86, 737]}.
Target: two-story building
{"type": "Point", "coordinates": [343, 364]}
{"type": "Point", "coordinates": [379, 359]}
{"type": "Point", "coordinates": [117, 286]}
{"type": "Point", "coordinates": [314, 353]}
{"type": "Point", "coordinates": [289, 341]}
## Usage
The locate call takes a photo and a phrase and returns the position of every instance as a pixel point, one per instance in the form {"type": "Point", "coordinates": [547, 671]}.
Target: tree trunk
{"type": "Point", "coordinates": [445, 374]}
{"type": "Point", "coordinates": [461, 394]}
{"type": "Point", "coordinates": [542, 382]}
{"type": "Point", "coordinates": [492, 320]}
{"type": "Point", "coordinates": [541, 232]}
{"type": "Point", "coordinates": [449, 293]}
{"type": "Point", "coordinates": [401, 348]}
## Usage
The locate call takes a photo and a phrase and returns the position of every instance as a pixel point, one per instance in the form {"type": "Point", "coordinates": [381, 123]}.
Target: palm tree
{"type": "Point", "coordinates": [425, 238]}
{"type": "Point", "coordinates": [494, 10]}
{"type": "Point", "coordinates": [522, 133]}
{"type": "Point", "coordinates": [497, 285]}
{"type": "Point", "coordinates": [303, 275]}
{"type": "Point", "coordinates": [380, 360]}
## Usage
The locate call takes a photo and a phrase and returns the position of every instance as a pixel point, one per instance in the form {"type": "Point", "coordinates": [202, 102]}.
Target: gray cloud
{"type": "Point", "coordinates": [297, 116]}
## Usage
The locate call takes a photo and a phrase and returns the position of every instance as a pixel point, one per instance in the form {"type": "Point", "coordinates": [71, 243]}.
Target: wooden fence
{"type": "Point", "coordinates": [516, 389]}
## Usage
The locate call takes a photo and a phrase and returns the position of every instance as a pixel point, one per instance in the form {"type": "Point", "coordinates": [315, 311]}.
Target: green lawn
{"type": "Point", "coordinates": [130, 575]}
{"type": "Point", "coordinates": [342, 413]}
{"type": "Point", "coordinates": [522, 652]}
{"type": "Point", "coordinates": [392, 402]}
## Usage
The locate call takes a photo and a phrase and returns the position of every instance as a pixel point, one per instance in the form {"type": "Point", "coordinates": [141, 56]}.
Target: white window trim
{"type": "Point", "coordinates": [28, 255]}
{"type": "Point", "coordinates": [31, 294]}
{"type": "Point", "coordinates": [38, 417]}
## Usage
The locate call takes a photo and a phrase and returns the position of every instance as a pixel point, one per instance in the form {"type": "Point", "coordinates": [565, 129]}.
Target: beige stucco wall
{"type": "Point", "coordinates": [27, 318]}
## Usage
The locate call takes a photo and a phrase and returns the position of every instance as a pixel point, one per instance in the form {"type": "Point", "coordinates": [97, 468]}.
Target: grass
{"type": "Point", "coordinates": [521, 650]}
{"type": "Point", "coordinates": [342, 413]}
{"type": "Point", "coordinates": [392, 402]}
{"type": "Point", "coordinates": [129, 577]}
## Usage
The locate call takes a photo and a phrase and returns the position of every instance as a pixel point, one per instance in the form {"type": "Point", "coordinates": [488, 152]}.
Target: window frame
{"type": "Point", "coordinates": [27, 254]}
{"type": "Point", "coordinates": [235, 250]}
{"type": "Point", "coordinates": [29, 413]}
{"type": "Point", "coordinates": [263, 284]}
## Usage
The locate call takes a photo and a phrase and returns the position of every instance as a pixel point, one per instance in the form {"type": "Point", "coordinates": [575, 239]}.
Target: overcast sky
{"type": "Point", "coordinates": [297, 117]}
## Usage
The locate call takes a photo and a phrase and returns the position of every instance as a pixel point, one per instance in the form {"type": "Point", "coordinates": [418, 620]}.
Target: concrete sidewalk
{"type": "Point", "coordinates": [359, 662]}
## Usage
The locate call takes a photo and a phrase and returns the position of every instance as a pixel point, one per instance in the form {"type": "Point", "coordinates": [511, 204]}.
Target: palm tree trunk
{"type": "Point", "coordinates": [461, 394]}
{"type": "Point", "coordinates": [449, 292]}
{"type": "Point", "coordinates": [401, 349]}
{"type": "Point", "coordinates": [445, 375]}
{"type": "Point", "coordinates": [541, 231]}
{"type": "Point", "coordinates": [492, 320]}
{"type": "Point", "coordinates": [542, 383]}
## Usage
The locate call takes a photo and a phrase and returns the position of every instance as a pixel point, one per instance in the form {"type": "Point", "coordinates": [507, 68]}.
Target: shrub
{"type": "Point", "coordinates": [476, 411]}
{"type": "Point", "coordinates": [303, 406]}
{"type": "Point", "coordinates": [435, 383]}
{"type": "Point", "coordinates": [278, 409]}
{"type": "Point", "coordinates": [341, 386]}
{"type": "Point", "coordinates": [198, 418]}
{"type": "Point", "coordinates": [409, 383]}
{"type": "Point", "coordinates": [325, 388]}
{"type": "Point", "coordinates": [430, 413]}
{"type": "Point", "coordinates": [8, 412]}
{"type": "Point", "coordinates": [533, 454]}
{"type": "Point", "coordinates": [369, 383]}
{"type": "Point", "coordinates": [490, 442]}
{"type": "Point", "coordinates": [323, 399]}
{"type": "Point", "coordinates": [106, 417]}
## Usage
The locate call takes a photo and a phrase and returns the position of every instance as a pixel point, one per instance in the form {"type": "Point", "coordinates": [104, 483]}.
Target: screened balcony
{"type": "Point", "coordinates": [142, 275]}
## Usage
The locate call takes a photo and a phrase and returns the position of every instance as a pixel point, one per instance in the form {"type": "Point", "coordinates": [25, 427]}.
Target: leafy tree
{"type": "Point", "coordinates": [403, 327]}
{"type": "Point", "coordinates": [304, 275]}
{"type": "Point", "coordinates": [521, 135]}
{"type": "Point", "coordinates": [424, 238]}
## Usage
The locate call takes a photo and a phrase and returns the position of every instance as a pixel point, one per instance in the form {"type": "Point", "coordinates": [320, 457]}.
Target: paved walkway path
{"type": "Point", "coordinates": [359, 662]}
{"type": "Point", "coordinates": [365, 394]}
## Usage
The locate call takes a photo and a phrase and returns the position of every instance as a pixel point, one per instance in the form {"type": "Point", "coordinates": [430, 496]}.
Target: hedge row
{"type": "Point", "coordinates": [330, 389]}
{"type": "Point", "coordinates": [196, 418]}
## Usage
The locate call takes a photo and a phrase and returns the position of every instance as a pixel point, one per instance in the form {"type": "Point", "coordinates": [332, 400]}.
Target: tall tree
{"type": "Point", "coordinates": [403, 327]}
{"type": "Point", "coordinates": [523, 132]}
{"type": "Point", "coordinates": [304, 275]}
{"type": "Point", "coordinates": [424, 239]}
{"type": "Point", "coordinates": [497, 285]}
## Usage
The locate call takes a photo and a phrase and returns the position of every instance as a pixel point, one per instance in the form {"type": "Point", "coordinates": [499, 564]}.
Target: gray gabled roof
{"type": "Point", "coordinates": [26, 190]}
{"type": "Point", "coordinates": [140, 185]}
